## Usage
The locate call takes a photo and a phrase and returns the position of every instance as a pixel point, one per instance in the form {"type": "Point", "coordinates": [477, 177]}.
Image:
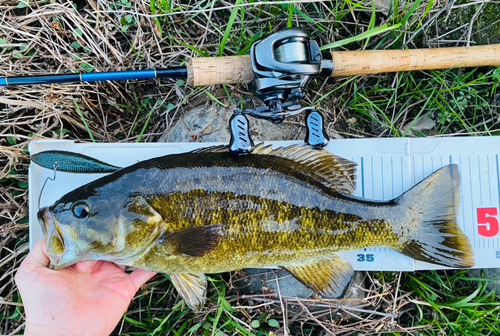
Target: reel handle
{"type": "Point", "coordinates": [349, 63]}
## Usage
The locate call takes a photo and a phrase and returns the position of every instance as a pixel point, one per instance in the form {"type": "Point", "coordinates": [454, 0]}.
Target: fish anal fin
{"type": "Point", "coordinates": [192, 287]}
{"type": "Point", "coordinates": [328, 277]}
{"type": "Point", "coordinates": [195, 241]}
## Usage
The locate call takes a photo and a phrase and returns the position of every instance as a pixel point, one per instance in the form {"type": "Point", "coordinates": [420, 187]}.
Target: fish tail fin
{"type": "Point", "coordinates": [432, 208]}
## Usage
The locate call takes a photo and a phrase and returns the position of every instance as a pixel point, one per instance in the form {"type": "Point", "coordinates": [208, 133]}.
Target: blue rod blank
{"type": "Point", "coordinates": [173, 72]}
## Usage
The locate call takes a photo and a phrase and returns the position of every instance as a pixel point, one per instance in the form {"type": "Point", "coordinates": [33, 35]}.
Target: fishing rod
{"type": "Point", "coordinates": [278, 70]}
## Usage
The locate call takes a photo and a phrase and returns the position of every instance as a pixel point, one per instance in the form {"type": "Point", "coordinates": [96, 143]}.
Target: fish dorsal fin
{"type": "Point", "coordinates": [194, 241]}
{"type": "Point", "coordinates": [330, 170]}
{"type": "Point", "coordinates": [328, 278]}
{"type": "Point", "coordinates": [212, 149]}
{"type": "Point", "coordinates": [192, 287]}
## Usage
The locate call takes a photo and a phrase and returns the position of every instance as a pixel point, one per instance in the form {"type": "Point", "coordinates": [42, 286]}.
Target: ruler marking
{"type": "Point", "coordinates": [489, 188]}
{"type": "Point", "coordinates": [413, 169]}
{"type": "Point", "coordinates": [489, 177]}
{"type": "Point", "coordinates": [462, 198]}
{"type": "Point", "coordinates": [480, 182]}
{"type": "Point", "coordinates": [498, 178]}
{"type": "Point", "coordinates": [362, 179]}
{"type": "Point", "coordinates": [392, 177]}
{"type": "Point", "coordinates": [382, 173]}
{"type": "Point", "coordinates": [498, 189]}
{"type": "Point", "coordinates": [402, 176]}
{"type": "Point", "coordinates": [373, 183]}
{"type": "Point", "coordinates": [472, 203]}
{"type": "Point", "coordinates": [423, 168]}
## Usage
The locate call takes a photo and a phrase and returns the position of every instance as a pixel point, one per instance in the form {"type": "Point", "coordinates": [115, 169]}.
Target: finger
{"type": "Point", "coordinates": [37, 256]}
{"type": "Point", "coordinates": [140, 276]}
{"type": "Point", "coordinates": [85, 266]}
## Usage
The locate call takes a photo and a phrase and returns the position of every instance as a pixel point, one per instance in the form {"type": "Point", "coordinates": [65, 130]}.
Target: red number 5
{"type": "Point", "coordinates": [484, 217]}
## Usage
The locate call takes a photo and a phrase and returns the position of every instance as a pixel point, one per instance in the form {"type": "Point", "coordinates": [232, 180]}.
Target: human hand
{"type": "Point", "coordinates": [88, 298]}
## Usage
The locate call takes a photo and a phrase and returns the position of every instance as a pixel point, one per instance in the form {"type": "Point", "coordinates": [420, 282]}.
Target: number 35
{"type": "Point", "coordinates": [365, 257]}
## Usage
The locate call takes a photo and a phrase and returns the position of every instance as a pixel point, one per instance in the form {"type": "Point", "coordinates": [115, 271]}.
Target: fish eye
{"type": "Point", "coordinates": [81, 210]}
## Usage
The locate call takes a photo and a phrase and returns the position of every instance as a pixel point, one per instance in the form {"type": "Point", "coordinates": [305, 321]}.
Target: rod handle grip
{"type": "Point", "coordinates": [219, 70]}
{"type": "Point", "coordinates": [349, 63]}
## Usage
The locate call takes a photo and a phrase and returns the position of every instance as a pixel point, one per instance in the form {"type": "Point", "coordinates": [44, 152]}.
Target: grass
{"type": "Point", "coordinates": [453, 303]}
{"type": "Point", "coordinates": [47, 36]}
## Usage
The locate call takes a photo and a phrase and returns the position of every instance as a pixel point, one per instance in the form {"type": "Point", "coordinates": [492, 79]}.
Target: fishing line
{"type": "Point", "coordinates": [46, 180]}
{"type": "Point", "coordinates": [292, 51]}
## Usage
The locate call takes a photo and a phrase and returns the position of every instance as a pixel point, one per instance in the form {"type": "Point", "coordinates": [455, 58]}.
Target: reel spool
{"type": "Point", "coordinates": [292, 51]}
{"type": "Point", "coordinates": [283, 64]}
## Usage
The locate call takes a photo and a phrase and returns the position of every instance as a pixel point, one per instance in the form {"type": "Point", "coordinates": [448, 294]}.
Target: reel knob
{"type": "Point", "coordinates": [241, 143]}
{"type": "Point", "coordinates": [315, 130]}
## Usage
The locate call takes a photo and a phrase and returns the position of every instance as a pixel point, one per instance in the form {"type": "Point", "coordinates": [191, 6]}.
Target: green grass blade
{"type": "Point", "coordinates": [227, 93]}
{"type": "Point", "coordinates": [157, 104]}
{"type": "Point", "coordinates": [290, 15]}
{"type": "Point", "coordinates": [230, 23]}
{"type": "Point", "coordinates": [366, 34]}
{"type": "Point", "coordinates": [410, 11]}
{"type": "Point", "coordinates": [427, 9]}
{"type": "Point", "coordinates": [213, 97]}
{"type": "Point", "coordinates": [196, 50]}
{"type": "Point", "coordinates": [83, 119]}
{"type": "Point", "coordinates": [371, 25]}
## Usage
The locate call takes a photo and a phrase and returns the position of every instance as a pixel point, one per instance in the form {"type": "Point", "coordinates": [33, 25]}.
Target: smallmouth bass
{"type": "Point", "coordinates": [208, 211]}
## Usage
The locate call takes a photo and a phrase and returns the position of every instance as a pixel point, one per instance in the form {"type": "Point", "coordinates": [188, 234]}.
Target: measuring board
{"type": "Point", "coordinates": [386, 168]}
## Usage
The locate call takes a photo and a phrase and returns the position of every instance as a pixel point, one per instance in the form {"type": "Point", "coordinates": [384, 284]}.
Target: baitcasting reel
{"type": "Point", "coordinates": [283, 64]}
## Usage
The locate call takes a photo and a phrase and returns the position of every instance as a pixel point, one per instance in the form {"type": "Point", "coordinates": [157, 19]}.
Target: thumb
{"type": "Point", "coordinates": [140, 276]}
{"type": "Point", "coordinates": [37, 256]}
{"type": "Point", "coordinates": [36, 259]}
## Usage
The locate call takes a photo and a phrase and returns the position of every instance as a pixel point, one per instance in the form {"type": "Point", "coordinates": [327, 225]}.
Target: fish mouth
{"type": "Point", "coordinates": [51, 233]}
{"type": "Point", "coordinates": [46, 220]}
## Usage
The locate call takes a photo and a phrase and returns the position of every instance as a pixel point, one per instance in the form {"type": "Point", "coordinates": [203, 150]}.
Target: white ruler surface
{"type": "Point", "coordinates": [386, 168]}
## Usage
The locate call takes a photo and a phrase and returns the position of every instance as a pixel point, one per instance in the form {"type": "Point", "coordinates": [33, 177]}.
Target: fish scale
{"type": "Point", "coordinates": [272, 228]}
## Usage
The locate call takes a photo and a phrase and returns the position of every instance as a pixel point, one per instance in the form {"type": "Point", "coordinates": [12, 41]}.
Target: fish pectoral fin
{"type": "Point", "coordinates": [194, 241]}
{"type": "Point", "coordinates": [192, 287]}
{"type": "Point", "coordinates": [328, 277]}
